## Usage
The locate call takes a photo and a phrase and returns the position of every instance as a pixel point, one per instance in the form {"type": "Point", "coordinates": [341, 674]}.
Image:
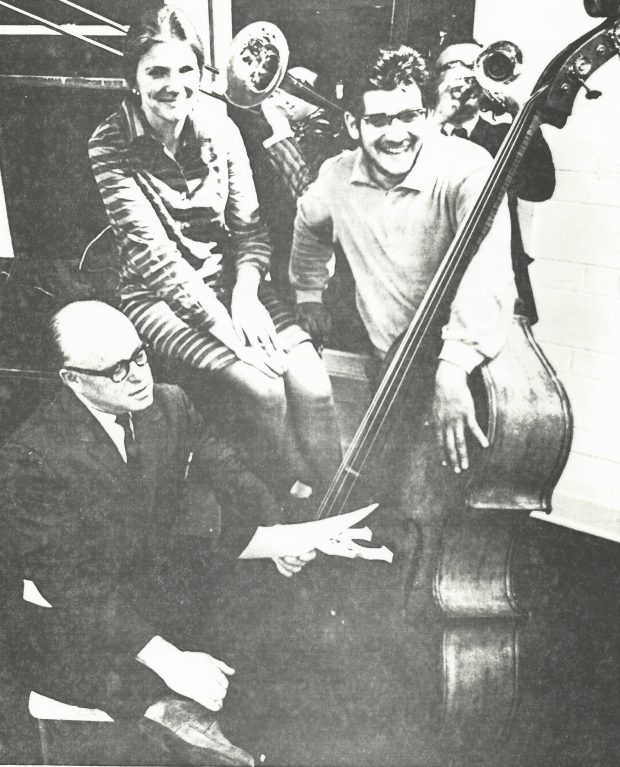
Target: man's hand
{"type": "Point", "coordinates": [315, 319]}
{"type": "Point", "coordinates": [499, 103]}
{"type": "Point", "coordinates": [453, 410]}
{"type": "Point", "coordinates": [289, 565]}
{"type": "Point", "coordinates": [195, 675]}
{"type": "Point", "coordinates": [200, 677]}
{"type": "Point", "coordinates": [276, 114]}
{"type": "Point", "coordinates": [344, 545]}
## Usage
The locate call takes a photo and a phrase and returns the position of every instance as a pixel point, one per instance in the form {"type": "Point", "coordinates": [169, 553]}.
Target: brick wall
{"type": "Point", "coordinates": [575, 239]}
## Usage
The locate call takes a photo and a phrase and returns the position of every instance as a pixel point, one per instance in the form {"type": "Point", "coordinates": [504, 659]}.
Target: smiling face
{"type": "Point", "coordinates": [391, 150]}
{"type": "Point", "coordinates": [167, 79]}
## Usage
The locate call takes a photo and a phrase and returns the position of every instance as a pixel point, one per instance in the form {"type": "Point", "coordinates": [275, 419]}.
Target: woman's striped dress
{"type": "Point", "coordinates": [184, 225]}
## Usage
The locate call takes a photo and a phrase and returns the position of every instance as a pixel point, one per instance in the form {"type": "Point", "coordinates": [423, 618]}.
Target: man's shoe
{"type": "Point", "coordinates": [191, 733]}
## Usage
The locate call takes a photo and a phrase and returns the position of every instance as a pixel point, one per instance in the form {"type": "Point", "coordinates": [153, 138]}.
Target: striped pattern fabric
{"type": "Point", "coordinates": [296, 160]}
{"type": "Point", "coordinates": [169, 336]}
{"type": "Point", "coordinates": [289, 166]}
{"type": "Point", "coordinates": [183, 225]}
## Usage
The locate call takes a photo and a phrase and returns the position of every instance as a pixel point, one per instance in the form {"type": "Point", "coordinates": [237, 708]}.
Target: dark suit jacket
{"type": "Point", "coordinates": [534, 181]}
{"type": "Point", "coordinates": [109, 547]}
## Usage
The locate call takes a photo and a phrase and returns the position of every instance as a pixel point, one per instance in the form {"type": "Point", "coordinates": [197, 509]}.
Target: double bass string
{"type": "Point", "coordinates": [471, 232]}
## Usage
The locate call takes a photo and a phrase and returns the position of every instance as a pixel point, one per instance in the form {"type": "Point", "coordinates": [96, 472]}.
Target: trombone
{"type": "Point", "coordinates": [257, 65]}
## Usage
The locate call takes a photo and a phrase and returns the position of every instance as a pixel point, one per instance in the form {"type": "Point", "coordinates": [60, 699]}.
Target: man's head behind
{"type": "Point", "coordinates": [93, 336]}
{"type": "Point", "coordinates": [458, 91]}
{"type": "Point", "coordinates": [297, 108]}
{"type": "Point", "coordinates": [386, 103]}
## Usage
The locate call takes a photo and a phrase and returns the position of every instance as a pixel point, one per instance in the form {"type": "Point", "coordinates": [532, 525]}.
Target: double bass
{"type": "Point", "coordinates": [456, 547]}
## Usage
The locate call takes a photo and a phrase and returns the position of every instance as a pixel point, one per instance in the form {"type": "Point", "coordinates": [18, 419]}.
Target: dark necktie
{"type": "Point", "coordinates": [131, 448]}
{"type": "Point", "coordinates": [459, 133]}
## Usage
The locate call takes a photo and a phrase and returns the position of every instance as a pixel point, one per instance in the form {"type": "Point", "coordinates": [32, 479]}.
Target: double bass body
{"type": "Point", "coordinates": [468, 531]}
{"type": "Point", "coordinates": [524, 407]}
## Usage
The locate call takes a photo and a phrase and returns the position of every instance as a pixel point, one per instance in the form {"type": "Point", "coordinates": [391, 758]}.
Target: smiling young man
{"type": "Point", "coordinates": [394, 206]}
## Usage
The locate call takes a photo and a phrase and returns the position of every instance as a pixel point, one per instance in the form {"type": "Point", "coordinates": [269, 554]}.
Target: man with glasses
{"type": "Point", "coordinates": [394, 206]}
{"type": "Point", "coordinates": [122, 508]}
{"type": "Point", "coordinates": [465, 111]}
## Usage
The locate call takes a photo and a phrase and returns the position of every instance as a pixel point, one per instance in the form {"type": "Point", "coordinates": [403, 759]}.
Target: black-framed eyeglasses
{"type": "Point", "coordinates": [382, 120]}
{"type": "Point", "coordinates": [120, 370]}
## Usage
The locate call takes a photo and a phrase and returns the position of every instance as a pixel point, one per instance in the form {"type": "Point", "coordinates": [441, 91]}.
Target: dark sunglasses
{"type": "Point", "coordinates": [382, 120]}
{"type": "Point", "coordinates": [120, 370]}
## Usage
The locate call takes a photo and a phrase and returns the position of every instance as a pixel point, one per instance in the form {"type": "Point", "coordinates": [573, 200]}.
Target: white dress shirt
{"type": "Point", "coordinates": [108, 420]}
{"type": "Point", "coordinates": [468, 126]}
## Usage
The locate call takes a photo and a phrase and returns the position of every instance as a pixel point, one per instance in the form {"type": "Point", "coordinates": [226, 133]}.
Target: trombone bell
{"type": "Point", "coordinates": [257, 64]}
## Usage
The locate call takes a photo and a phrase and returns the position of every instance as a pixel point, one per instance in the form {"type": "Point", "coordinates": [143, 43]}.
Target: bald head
{"type": "Point", "coordinates": [92, 338]}
{"type": "Point", "coordinates": [459, 53]}
{"type": "Point", "coordinates": [88, 331]}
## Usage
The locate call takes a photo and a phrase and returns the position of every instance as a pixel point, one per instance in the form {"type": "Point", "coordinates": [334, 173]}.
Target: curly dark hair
{"type": "Point", "coordinates": [386, 69]}
{"type": "Point", "coordinates": [159, 25]}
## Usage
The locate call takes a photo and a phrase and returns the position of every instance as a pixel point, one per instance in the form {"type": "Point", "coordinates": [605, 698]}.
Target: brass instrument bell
{"type": "Point", "coordinates": [500, 62]}
{"type": "Point", "coordinates": [256, 64]}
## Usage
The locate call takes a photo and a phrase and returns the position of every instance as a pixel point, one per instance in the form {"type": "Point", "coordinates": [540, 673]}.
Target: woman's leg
{"type": "Point", "coordinates": [272, 441]}
{"type": "Point", "coordinates": [311, 402]}
{"type": "Point", "coordinates": [302, 444]}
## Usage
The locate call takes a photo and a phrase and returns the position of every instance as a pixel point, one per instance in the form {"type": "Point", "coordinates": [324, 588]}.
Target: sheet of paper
{"type": "Point", "coordinates": [290, 540]}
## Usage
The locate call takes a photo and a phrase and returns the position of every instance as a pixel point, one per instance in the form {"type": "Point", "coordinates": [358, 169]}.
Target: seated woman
{"type": "Point", "coordinates": [176, 183]}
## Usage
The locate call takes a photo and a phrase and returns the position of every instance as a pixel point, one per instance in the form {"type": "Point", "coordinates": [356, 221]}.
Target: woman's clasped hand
{"type": "Point", "coordinates": [255, 329]}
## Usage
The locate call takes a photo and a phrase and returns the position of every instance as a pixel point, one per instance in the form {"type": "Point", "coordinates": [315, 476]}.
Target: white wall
{"type": "Point", "coordinates": [201, 13]}
{"type": "Point", "coordinates": [575, 239]}
{"type": "Point", "coordinates": [6, 243]}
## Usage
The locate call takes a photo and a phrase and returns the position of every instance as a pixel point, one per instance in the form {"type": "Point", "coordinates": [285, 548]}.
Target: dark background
{"type": "Point", "coordinates": [53, 205]}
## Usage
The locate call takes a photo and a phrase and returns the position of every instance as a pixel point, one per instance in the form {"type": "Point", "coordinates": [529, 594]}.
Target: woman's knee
{"type": "Point", "coordinates": [307, 378]}
{"type": "Point", "coordinates": [260, 390]}
{"type": "Point", "coordinates": [269, 394]}
{"type": "Point", "coordinates": [318, 394]}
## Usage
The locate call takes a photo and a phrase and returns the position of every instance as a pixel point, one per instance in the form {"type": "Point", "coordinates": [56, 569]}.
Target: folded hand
{"type": "Point", "coordinates": [289, 565]}
{"type": "Point", "coordinates": [198, 676]}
